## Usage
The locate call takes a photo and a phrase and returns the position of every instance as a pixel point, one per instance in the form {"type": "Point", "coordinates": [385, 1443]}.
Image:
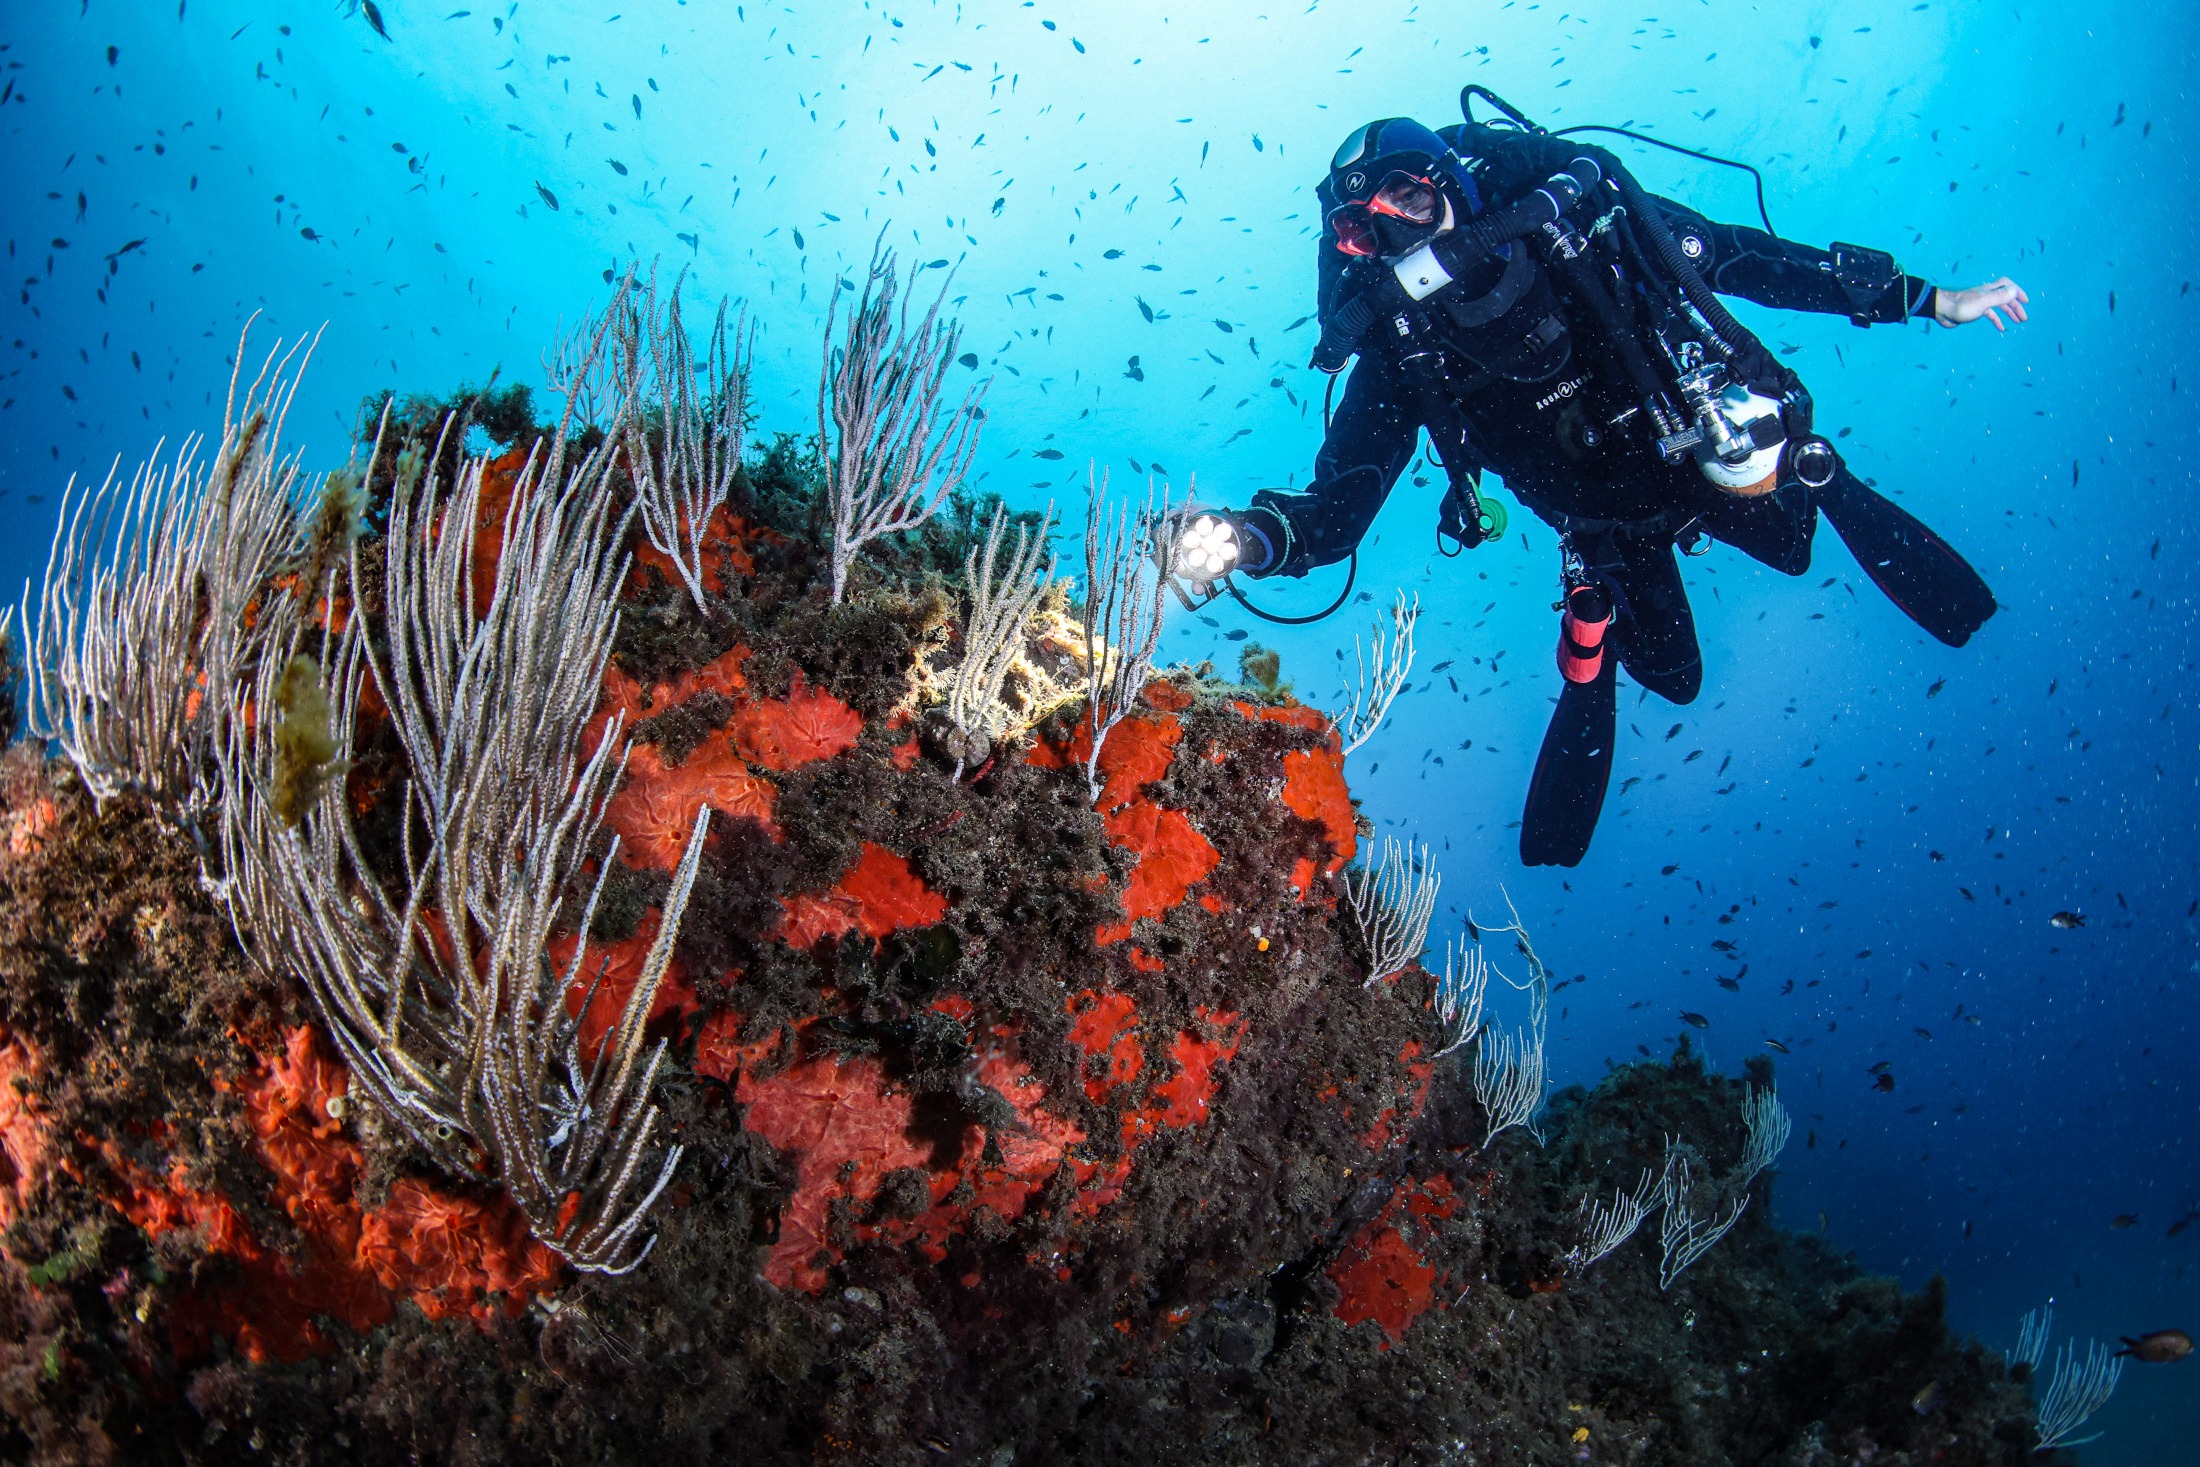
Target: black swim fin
{"type": "Point", "coordinates": [1920, 572]}
{"type": "Point", "coordinates": [1566, 794]}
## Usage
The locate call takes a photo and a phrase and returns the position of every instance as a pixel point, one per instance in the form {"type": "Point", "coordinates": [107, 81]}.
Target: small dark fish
{"type": "Point", "coordinates": [1143, 309]}
{"type": "Point", "coordinates": [1934, 690]}
{"type": "Point", "coordinates": [616, 166]}
{"type": "Point", "coordinates": [2123, 1220]}
{"type": "Point", "coordinates": [374, 18]}
{"type": "Point", "coordinates": [1695, 1020]}
{"type": "Point", "coordinates": [968, 359]}
{"type": "Point", "coordinates": [2066, 920]}
{"type": "Point", "coordinates": [693, 242]}
{"type": "Point", "coordinates": [1926, 1401]}
{"type": "Point", "coordinates": [1728, 984]}
{"type": "Point", "coordinates": [2184, 1222]}
{"type": "Point", "coordinates": [1048, 453]}
{"type": "Point", "coordinates": [1235, 634]}
{"type": "Point", "coordinates": [1112, 255]}
{"type": "Point", "coordinates": [308, 235]}
{"type": "Point", "coordinates": [131, 245]}
{"type": "Point", "coordinates": [1884, 1084]}
{"type": "Point", "coordinates": [1776, 1046]}
{"type": "Point", "coordinates": [547, 197]}
{"type": "Point", "coordinates": [2158, 1348]}
{"type": "Point", "coordinates": [798, 244]}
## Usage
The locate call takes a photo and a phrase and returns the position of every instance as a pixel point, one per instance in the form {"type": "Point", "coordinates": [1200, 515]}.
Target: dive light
{"type": "Point", "coordinates": [1202, 548]}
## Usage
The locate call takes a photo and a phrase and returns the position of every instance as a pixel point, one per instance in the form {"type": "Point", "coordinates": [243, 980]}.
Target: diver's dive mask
{"type": "Point", "coordinates": [1394, 184]}
{"type": "Point", "coordinates": [1402, 212]}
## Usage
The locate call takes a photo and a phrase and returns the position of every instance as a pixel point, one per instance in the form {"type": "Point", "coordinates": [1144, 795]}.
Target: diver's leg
{"type": "Point", "coordinates": [1654, 629]}
{"type": "Point", "coordinates": [1773, 528]}
{"type": "Point", "coordinates": [1572, 771]}
{"type": "Point", "coordinates": [1920, 572]}
{"type": "Point", "coordinates": [1369, 443]}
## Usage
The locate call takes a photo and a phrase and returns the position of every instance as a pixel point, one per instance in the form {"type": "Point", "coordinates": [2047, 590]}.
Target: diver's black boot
{"type": "Point", "coordinates": [1566, 793]}
{"type": "Point", "coordinates": [1920, 572]}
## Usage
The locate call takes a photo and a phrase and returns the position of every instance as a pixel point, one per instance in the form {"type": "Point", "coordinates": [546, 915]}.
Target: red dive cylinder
{"type": "Point", "coordinates": [1581, 634]}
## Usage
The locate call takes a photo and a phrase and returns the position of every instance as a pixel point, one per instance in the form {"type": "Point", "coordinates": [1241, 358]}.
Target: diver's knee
{"type": "Point", "coordinates": [1797, 561]}
{"type": "Point", "coordinates": [1678, 685]}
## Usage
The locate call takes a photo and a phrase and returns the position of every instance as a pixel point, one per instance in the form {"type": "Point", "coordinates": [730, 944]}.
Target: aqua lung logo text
{"type": "Point", "coordinates": [1561, 392]}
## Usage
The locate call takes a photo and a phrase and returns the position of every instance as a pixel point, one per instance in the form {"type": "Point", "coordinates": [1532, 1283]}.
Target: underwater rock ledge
{"type": "Point", "coordinates": [1017, 1127]}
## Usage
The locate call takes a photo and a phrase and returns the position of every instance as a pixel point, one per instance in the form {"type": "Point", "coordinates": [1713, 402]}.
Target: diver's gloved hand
{"type": "Point", "coordinates": [1213, 543]}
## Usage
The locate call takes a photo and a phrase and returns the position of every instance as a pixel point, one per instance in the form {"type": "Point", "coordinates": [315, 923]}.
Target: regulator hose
{"type": "Point", "coordinates": [1700, 295]}
{"type": "Point", "coordinates": [1544, 205]}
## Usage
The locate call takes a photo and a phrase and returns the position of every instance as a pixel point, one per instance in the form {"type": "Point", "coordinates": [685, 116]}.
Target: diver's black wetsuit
{"type": "Point", "coordinates": [1535, 393]}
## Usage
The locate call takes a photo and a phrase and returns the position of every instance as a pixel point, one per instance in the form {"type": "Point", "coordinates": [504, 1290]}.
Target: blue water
{"type": "Point", "coordinates": [288, 160]}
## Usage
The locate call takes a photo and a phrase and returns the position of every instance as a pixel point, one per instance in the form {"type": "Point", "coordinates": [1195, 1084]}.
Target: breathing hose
{"type": "Point", "coordinates": [1351, 574]}
{"type": "Point", "coordinates": [1700, 295]}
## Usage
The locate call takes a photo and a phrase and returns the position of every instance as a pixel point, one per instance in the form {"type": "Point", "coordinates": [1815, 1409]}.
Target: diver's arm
{"type": "Point", "coordinates": [1369, 443]}
{"type": "Point", "coordinates": [1847, 280]}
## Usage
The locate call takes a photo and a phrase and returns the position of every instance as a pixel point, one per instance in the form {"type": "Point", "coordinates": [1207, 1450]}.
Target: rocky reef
{"type": "Point", "coordinates": [1015, 1127]}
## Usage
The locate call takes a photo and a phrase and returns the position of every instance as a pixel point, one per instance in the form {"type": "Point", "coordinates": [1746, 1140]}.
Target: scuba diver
{"type": "Point", "coordinates": [1523, 300]}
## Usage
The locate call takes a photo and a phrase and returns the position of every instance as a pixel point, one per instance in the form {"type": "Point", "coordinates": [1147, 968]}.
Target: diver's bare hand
{"type": "Point", "coordinates": [1956, 307]}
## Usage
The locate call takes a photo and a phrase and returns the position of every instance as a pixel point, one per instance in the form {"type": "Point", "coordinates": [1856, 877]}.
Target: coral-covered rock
{"type": "Point", "coordinates": [1172, 857]}
{"type": "Point", "coordinates": [877, 896]}
{"type": "Point", "coordinates": [1014, 1123]}
{"type": "Point", "coordinates": [447, 1254]}
{"type": "Point", "coordinates": [848, 1129]}
{"type": "Point", "coordinates": [612, 970]}
{"type": "Point", "coordinates": [25, 1145]}
{"type": "Point", "coordinates": [654, 811]}
{"type": "Point", "coordinates": [1381, 1275]}
{"type": "Point", "coordinates": [783, 734]}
